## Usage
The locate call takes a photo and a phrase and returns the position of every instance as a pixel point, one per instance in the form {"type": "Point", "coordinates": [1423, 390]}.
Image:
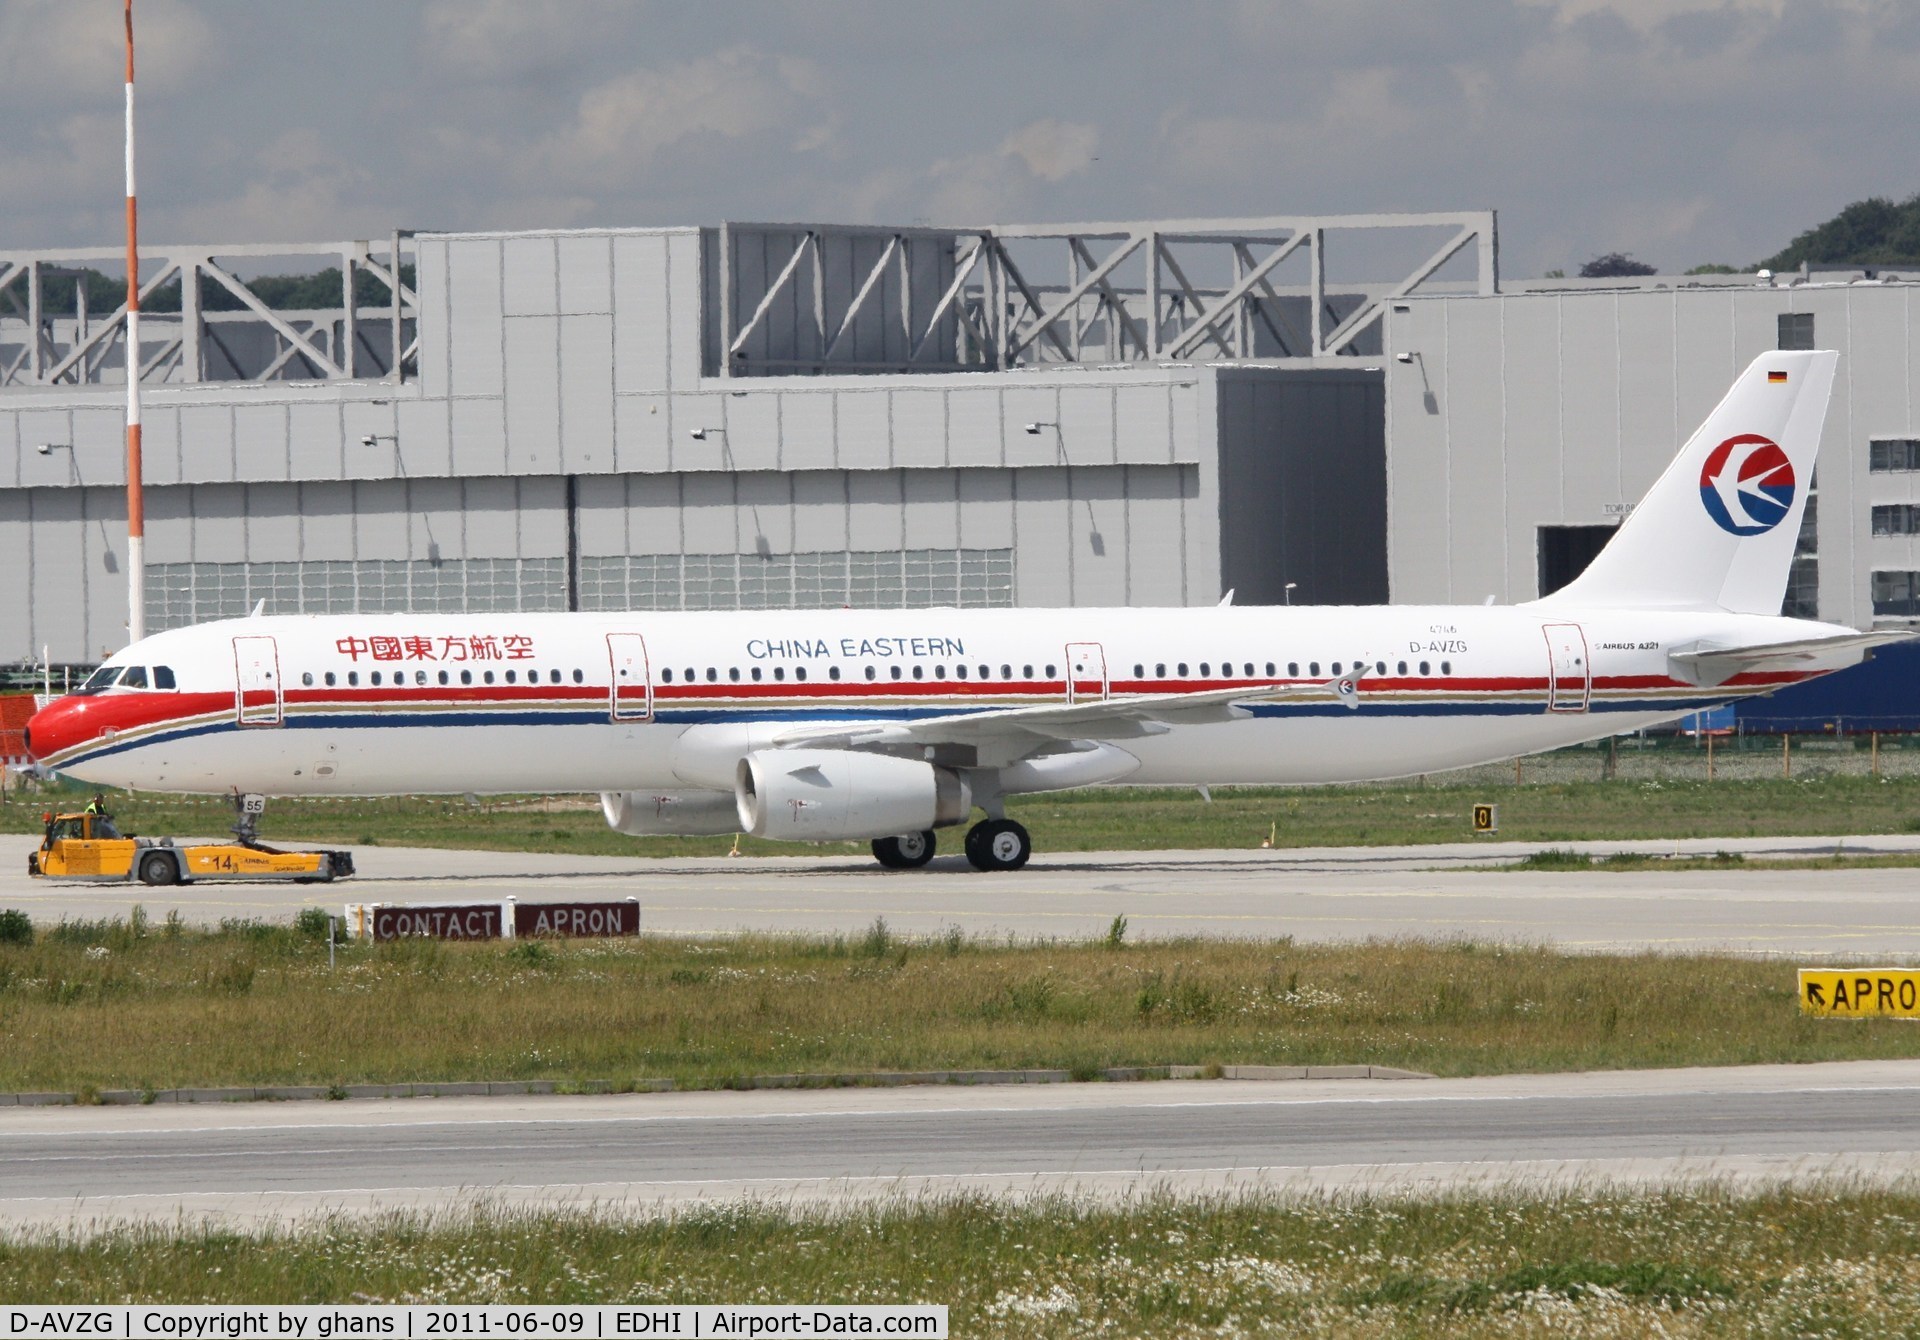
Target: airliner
{"type": "Point", "coordinates": [888, 725]}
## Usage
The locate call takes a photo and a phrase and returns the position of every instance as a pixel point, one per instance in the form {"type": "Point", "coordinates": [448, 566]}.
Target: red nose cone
{"type": "Point", "coordinates": [59, 725]}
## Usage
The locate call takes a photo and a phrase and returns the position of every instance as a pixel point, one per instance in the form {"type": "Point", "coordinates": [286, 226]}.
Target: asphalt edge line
{"type": "Point", "coordinates": [547, 1087]}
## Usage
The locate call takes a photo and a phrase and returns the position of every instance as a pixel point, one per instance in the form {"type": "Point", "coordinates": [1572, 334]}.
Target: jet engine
{"type": "Point", "coordinates": [677, 814]}
{"type": "Point", "coordinates": [824, 795]}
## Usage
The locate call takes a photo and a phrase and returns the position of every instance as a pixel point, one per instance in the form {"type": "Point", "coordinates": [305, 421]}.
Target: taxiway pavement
{"type": "Point", "coordinates": [1320, 894]}
{"type": "Point", "coordinates": [248, 1163]}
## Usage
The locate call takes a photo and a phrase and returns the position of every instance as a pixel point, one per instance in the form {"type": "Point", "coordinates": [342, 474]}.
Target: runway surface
{"type": "Point", "coordinates": [1308, 893]}
{"type": "Point", "coordinates": [256, 1162]}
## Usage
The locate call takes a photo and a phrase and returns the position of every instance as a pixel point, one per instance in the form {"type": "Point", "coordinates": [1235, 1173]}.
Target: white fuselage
{"type": "Point", "coordinates": [383, 704]}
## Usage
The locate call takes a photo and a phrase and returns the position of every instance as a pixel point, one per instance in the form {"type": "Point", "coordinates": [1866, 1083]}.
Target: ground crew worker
{"type": "Point", "coordinates": [98, 805]}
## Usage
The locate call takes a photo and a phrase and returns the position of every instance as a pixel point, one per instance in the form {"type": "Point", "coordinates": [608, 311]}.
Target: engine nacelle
{"type": "Point", "coordinates": [674, 814]}
{"type": "Point", "coordinates": [827, 795]}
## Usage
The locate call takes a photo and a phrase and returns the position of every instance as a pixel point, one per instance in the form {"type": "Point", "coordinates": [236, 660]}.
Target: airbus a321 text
{"type": "Point", "coordinates": [888, 725]}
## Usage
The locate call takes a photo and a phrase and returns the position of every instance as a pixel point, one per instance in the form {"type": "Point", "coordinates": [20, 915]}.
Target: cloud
{"type": "Point", "coordinates": [509, 39]}
{"type": "Point", "coordinates": [1053, 149]}
{"type": "Point", "coordinates": [622, 125]}
{"type": "Point", "coordinates": [73, 54]}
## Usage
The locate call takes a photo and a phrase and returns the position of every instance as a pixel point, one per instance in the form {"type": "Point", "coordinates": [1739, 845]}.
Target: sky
{"type": "Point", "coordinates": [1679, 131]}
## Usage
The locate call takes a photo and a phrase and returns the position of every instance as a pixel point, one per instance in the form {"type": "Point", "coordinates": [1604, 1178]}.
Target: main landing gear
{"type": "Point", "coordinates": [992, 844]}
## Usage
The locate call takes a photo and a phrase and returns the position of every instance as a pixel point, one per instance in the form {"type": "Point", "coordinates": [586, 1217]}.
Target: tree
{"type": "Point", "coordinates": [1615, 265]}
{"type": "Point", "coordinates": [1874, 231]}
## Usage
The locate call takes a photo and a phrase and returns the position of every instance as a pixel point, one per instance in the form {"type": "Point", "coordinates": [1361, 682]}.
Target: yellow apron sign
{"type": "Point", "coordinates": [1860, 993]}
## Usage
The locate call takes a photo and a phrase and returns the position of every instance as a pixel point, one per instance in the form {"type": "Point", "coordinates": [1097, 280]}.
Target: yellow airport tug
{"type": "Point", "coordinates": [86, 845]}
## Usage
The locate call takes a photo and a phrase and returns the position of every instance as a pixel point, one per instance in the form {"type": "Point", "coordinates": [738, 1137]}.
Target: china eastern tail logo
{"type": "Point", "coordinates": [1747, 484]}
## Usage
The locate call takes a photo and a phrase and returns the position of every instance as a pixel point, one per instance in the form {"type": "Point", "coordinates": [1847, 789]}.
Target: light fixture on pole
{"type": "Point", "coordinates": [702, 434]}
{"type": "Point", "coordinates": [1033, 429]}
{"type": "Point", "coordinates": [48, 448]}
{"type": "Point", "coordinates": [1286, 592]}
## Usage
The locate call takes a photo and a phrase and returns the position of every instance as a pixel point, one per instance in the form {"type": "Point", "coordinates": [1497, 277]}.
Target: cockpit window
{"type": "Point", "coordinates": [135, 678]}
{"type": "Point", "coordinates": [163, 677]}
{"type": "Point", "coordinates": [100, 679]}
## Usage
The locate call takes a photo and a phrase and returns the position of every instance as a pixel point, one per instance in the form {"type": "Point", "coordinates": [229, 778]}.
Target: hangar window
{"type": "Point", "coordinates": [1893, 455]}
{"type": "Point", "coordinates": [1896, 519]}
{"type": "Point", "coordinates": [307, 679]}
{"type": "Point", "coordinates": [1896, 595]}
{"type": "Point", "coordinates": [1796, 330]}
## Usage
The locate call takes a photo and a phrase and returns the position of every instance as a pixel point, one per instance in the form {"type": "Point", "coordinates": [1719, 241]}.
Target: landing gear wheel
{"type": "Point", "coordinates": [158, 870]}
{"type": "Point", "coordinates": [909, 851]}
{"type": "Point", "coordinates": [998, 844]}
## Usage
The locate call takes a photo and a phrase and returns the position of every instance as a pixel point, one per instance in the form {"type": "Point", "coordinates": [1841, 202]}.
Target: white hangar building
{"type": "Point", "coordinates": [763, 416]}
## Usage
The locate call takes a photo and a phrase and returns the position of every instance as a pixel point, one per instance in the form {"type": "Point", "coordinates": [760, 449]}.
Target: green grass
{"type": "Point", "coordinates": [1820, 1260]}
{"type": "Point", "coordinates": [1112, 819]}
{"type": "Point", "coordinates": [134, 1005]}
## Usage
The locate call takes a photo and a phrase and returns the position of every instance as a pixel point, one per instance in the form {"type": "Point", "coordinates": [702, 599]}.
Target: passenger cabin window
{"type": "Point", "coordinates": [443, 676]}
{"type": "Point", "coordinates": [1426, 668]}
{"type": "Point", "coordinates": [486, 676]}
{"type": "Point", "coordinates": [466, 677]}
{"type": "Point", "coordinates": [666, 675]}
{"type": "Point", "coordinates": [374, 679]}
{"type": "Point", "coordinates": [800, 672]}
{"type": "Point", "coordinates": [1006, 672]}
{"type": "Point", "coordinates": [329, 677]}
{"type": "Point", "coordinates": [755, 673]}
{"type": "Point", "coordinates": [420, 677]}
{"type": "Point", "coordinates": [1313, 668]}
{"type": "Point", "coordinates": [1026, 672]}
{"type": "Point", "coordinates": [1049, 672]}
{"type": "Point", "coordinates": [1293, 669]}
{"type": "Point", "coordinates": [1181, 669]}
{"type": "Point", "coordinates": [919, 672]}
{"type": "Point", "coordinates": [833, 673]}
{"type": "Point", "coordinates": [1160, 670]}
{"type": "Point", "coordinates": [895, 670]}
{"type": "Point", "coordinates": [779, 672]}
{"type": "Point", "coordinates": [353, 678]}
{"type": "Point", "coordinates": [1402, 668]}
{"type": "Point", "coordinates": [733, 673]}
{"type": "Point", "coordinates": [1336, 667]}
{"type": "Point", "coordinates": [1446, 667]}
{"type": "Point", "coordinates": [939, 672]}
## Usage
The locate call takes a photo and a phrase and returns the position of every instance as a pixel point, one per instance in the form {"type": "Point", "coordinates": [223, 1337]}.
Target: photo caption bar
{"type": "Point", "coordinates": [421, 1322]}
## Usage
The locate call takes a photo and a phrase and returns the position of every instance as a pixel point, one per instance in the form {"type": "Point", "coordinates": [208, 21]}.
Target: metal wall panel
{"type": "Point", "coordinates": [270, 537]}
{"type": "Point", "coordinates": [474, 342]}
{"type": "Point", "coordinates": [586, 394]}
{"type": "Point", "coordinates": [1086, 425]}
{"type": "Point", "coordinates": [874, 510]}
{"type": "Point", "coordinates": [493, 518]}
{"type": "Point", "coordinates": [656, 525]}
{"type": "Point", "coordinates": [530, 279]}
{"type": "Point", "coordinates": [1648, 398]}
{"type": "Point", "coordinates": [1143, 425]}
{"type": "Point", "coordinates": [753, 432]}
{"type": "Point", "coordinates": [432, 327]}
{"type": "Point", "coordinates": [436, 519]}
{"type": "Point", "coordinates": [689, 412]}
{"type": "Point", "coordinates": [381, 524]}
{"type": "Point", "coordinates": [170, 525]}
{"type": "Point", "coordinates": [99, 437]}
{"type": "Point", "coordinates": [206, 443]}
{"type": "Point", "coordinates": [930, 509]}
{"type": "Point", "coordinates": [764, 499]}
{"type": "Point", "coordinates": [533, 395]}
{"type": "Point", "coordinates": [707, 520]}
{"type": "Point", "coordinates": [807, 430]}
{"type": "Point", "coordinates": [975, 422]}
{"type": "Point", "coordinates": [325, 520]}
{"type": "Point", "coordinates": [865, 437]}
{"type": "Point", "coordinates": [220, 523]}
{"type": "Point", "coordinates": [642, 326]}
{"type": "Point", "coordinates": [1476, 465]}
{"type": "Point", "coordinates": [602, 510]}
{"type": "Point", "coordinates": [586, 275]}
{"type": "Point", "coordinates": [684, 285]}
{"type": "Point", "coordinates": [260, 441]}
{"type": "Point", "coordinates": [21, 593]}
{"type": "Point", "coordinates": [919, 428]}
{"type": "Point", "coordinates": [1590, 416]}
{"type": "Point", "coordinates": [61, 578]}
{"type": "Point", "coordinates": [479, 433]}
{"type": "Point", "coordinates": [314, 450]}
{"type": "Point", "coordinates": [819, 511]}
{"type": "Point", "coordinates": [1185, 412]}
{"type": "Point", "coordinates": [541, 516]}
{"type": "Point", "coordinates": [1043, 562]}
{"type": "Point", "coordinates": [159, 445]}
{"type": "Point", "coordinates": [1705, 357]}
{"type": "Point", "coordinates": [986, 509]}
{"type": "Point", "coordinates": [1039, 405]}
{"type": "Point", "coordinates": [640, 427]}
{"type": "Point", "coordinates": [1098, 522]}
{"type": "Point", "coordinates": [425, 431]}
{"type": "Point", "coordinates": [104, 554]}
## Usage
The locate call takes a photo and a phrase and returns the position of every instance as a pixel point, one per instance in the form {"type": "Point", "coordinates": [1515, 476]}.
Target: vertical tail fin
{"type": "Point", "coordinates": [1717, 529]}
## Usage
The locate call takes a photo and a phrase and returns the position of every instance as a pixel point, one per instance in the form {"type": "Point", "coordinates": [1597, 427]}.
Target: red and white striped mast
{"type": "Point", "coordinates": [136, 506]}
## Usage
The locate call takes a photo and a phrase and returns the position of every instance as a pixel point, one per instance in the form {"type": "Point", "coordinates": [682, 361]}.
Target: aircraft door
{"type": "Point", "coordinates": [632, 680]}
{"type": "Point", "coordinates": [1086, 672]}
{"type": "Point", "coordinates": [1569, 675]}
{"type": "Point", "coordinates": [258, 698]}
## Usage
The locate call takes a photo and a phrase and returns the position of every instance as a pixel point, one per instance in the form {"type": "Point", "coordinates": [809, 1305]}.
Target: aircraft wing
{"type": "Point", "coordinates": [1708, 666]}
{"type": "Point", "coordinates": [1026, 728]}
